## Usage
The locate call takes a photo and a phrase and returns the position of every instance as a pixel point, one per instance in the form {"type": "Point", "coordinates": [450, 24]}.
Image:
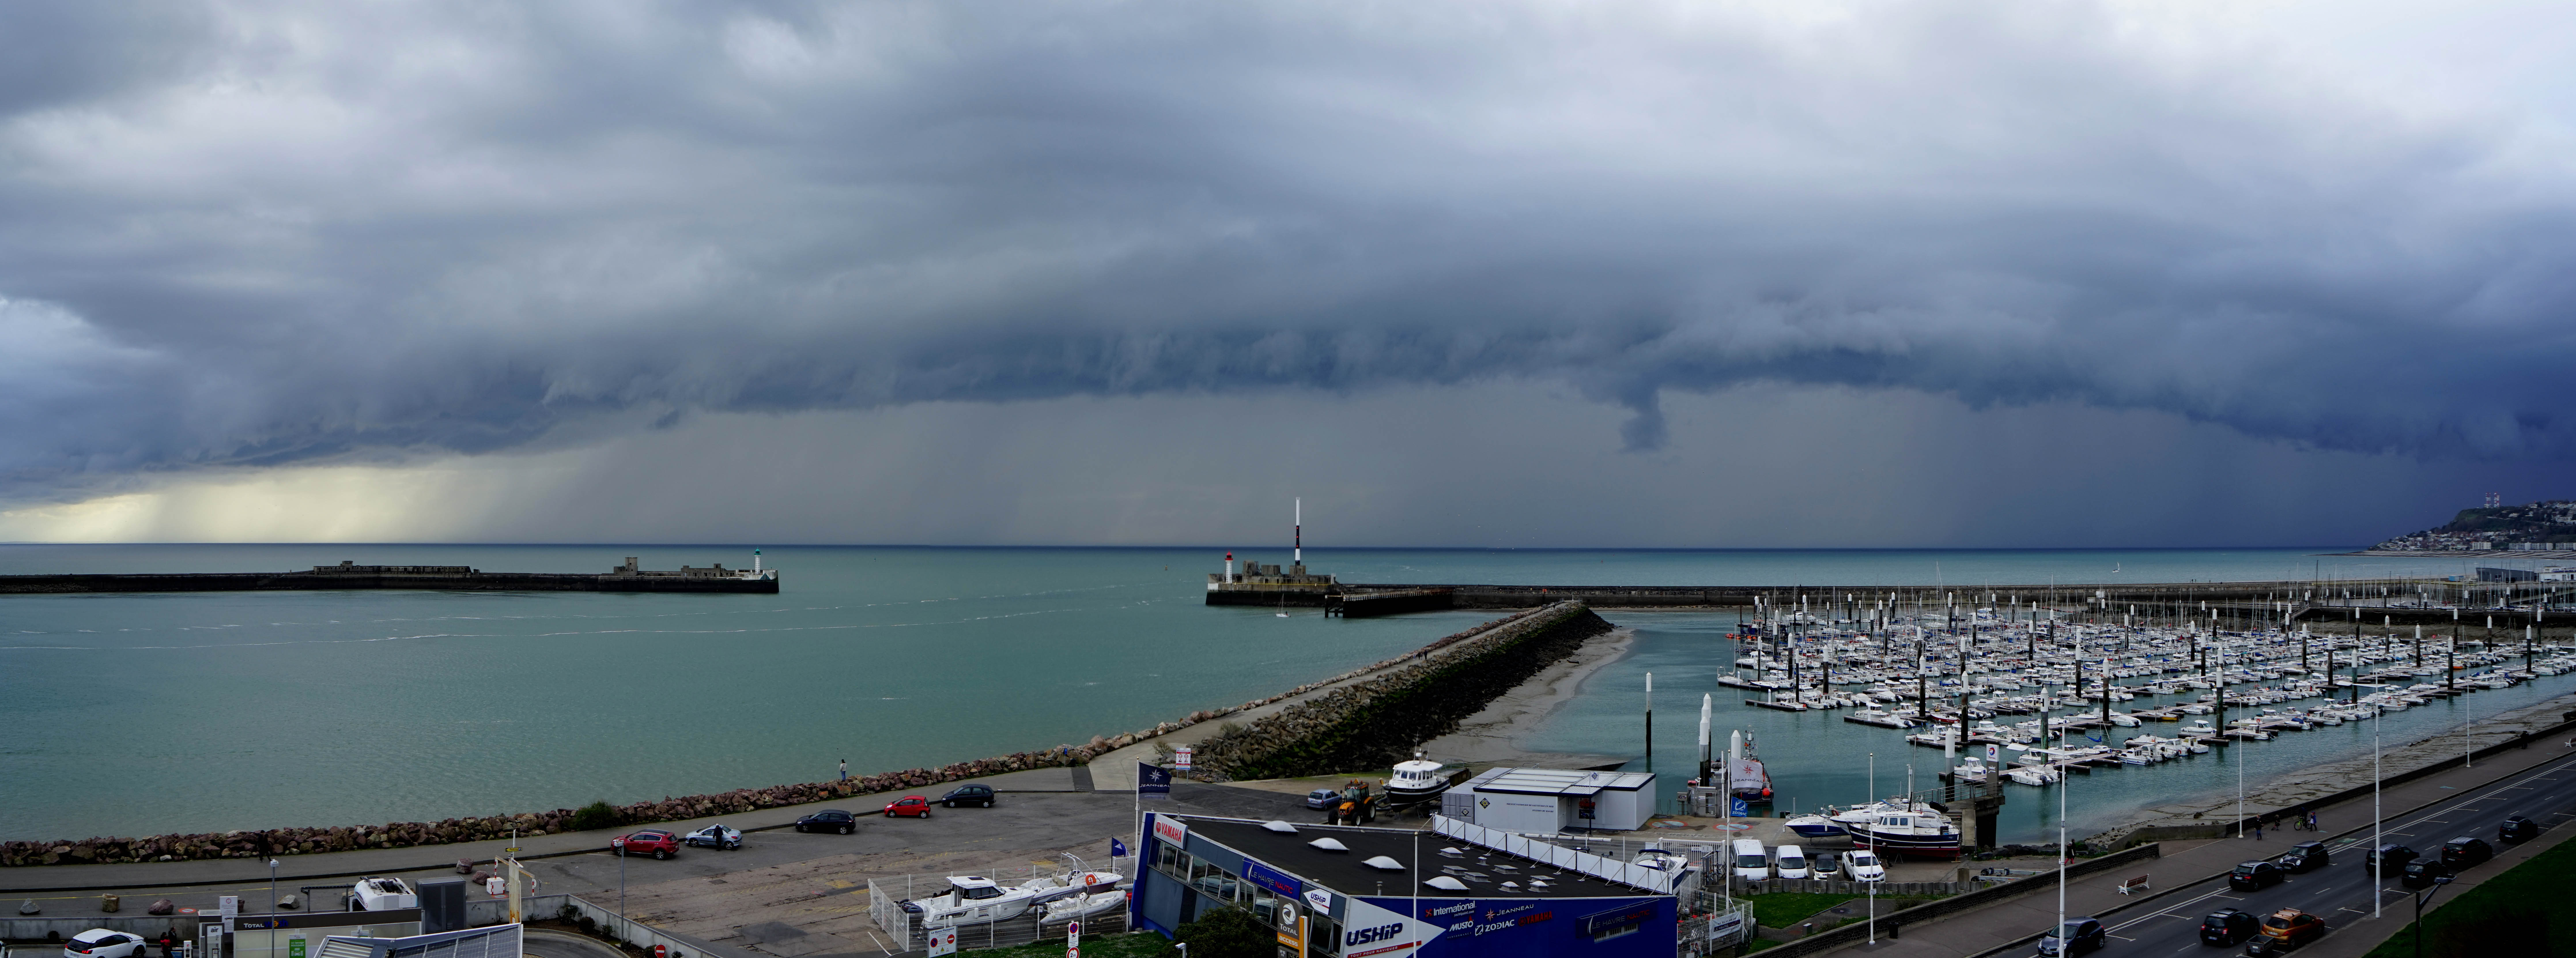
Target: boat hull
{"type": "Point", "coordinates": [1899, 843]}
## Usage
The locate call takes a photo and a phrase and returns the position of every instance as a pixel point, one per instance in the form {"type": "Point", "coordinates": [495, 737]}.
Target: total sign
{"type": "Point", "coordinates": [1369, 930]}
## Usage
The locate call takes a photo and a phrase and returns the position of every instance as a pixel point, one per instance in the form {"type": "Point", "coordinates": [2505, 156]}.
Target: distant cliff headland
{"type": "Point", "coordinates": [2540, 526]}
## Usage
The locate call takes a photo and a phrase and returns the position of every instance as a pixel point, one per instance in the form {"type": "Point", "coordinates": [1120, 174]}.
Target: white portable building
{"type": "Point", "coordinates": [1544, 800]}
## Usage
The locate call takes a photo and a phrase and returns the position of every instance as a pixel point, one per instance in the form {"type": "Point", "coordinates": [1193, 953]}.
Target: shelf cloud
{"type": "Point", "coordinates": [253, 234]}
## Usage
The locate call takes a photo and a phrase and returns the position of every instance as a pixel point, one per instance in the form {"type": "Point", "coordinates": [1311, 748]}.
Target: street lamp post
{"type": "Point", "coordinates": [2420, 899]}
{"type": "Point", "coordinates": [620, 845]}
{"type": "Point", "coordinates": [272, 886]}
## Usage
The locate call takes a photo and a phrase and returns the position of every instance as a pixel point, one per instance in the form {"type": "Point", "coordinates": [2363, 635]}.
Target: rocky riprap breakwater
{"type": "Point", "coordinates": [304, 841]}
{"type": "Point", "coordinates": [1376, 722]}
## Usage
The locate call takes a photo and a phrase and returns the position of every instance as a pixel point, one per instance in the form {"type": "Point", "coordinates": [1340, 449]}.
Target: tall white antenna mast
{"type": "Point", "coordinates": [1297, 533]}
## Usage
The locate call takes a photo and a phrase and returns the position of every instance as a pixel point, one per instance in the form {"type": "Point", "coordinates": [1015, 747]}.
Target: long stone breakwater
{"type": "Point", "coordinates": [1474, 659]}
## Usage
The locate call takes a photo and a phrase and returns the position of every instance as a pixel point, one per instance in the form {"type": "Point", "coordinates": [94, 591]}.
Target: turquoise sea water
{"type": "Point", "coordinates": [140, 714]}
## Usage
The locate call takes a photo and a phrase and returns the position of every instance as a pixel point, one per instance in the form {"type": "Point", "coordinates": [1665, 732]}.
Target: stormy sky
{"type": "Point", "coordinates": [1472, 273]}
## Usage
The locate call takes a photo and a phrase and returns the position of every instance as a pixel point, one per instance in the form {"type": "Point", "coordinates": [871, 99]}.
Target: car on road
{"type": "Point", "coordinates": [2080, 935]}
{"type": "Point", "coordinates": [714, 836]}
{"type": "Point", "coordinates": [2305, 857]}
{"type": "Point", "coordinates": [2255, 875]}
{"type": "Point", "coordinates": [976, 795]}
{"type": "Point", "coordinates": [656, 842]}
{"type": "Point", "coordinates": [912, 805]}
{"type": "Point", "coordinates": [2517, 829]}
{"type": "Point", "coordinates": [829, 820]}
{"type": "Point", "coordinates": [2465, 852]}
{"type": "Point", "coordinates": [1322, 797]}
{"type": "Point", "coordinates": [2394, 854]}
{"type": "Point", "coordinates": [2422, 873]}
{"type": "Point", "coordinates": [1864, 866]}
{"type": "Point", "coordinates": [2286, 929]}
{"type": "Point", "coordinates": [2226, 926]}
{"type": "Point", "coordinates": [102, 943]}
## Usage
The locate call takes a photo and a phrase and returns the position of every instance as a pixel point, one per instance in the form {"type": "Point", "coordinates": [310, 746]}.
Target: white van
{"type": "Point", "coordinates": [1792, 862]}
{"type": "Point", "coordinates": [1751, 863]}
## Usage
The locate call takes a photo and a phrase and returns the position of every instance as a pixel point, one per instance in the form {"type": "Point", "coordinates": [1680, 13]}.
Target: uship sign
{"type": "Point", "coordinates": [1368, 930]}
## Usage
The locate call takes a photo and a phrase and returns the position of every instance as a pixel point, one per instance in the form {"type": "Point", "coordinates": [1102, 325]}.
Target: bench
{"type": "Point", "coordinates": [2137, 884]}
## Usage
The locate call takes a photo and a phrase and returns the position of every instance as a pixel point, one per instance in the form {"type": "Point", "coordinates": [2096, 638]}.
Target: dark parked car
{"type": "Point", "coordinates": [2394, 854]}
{"type": "Point", "coordinates": [829, 820]}
{"type": "Point", "coordinates": [2226, 927]}
{"type": "Point", "coordinates": [2422, 872]}
{"type": "Point", "coordinates": [2466, 851]}
{"type": "Point", "coordinates": [2517, 829]}
{"type": "Point", "coordinates": [2251, 876]}
{"type": "Point", "coordinates": [2081, 934]}
{"type": "Point", "coordinates": [977, 795]}
{"type": "Point", "coordinates": [651, 841]}
{"type": "Point", "coordinates": [2305, 857]}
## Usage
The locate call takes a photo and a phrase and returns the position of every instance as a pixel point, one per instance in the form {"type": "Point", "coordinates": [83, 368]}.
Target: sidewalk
{"type": "Point", "coordinates": [2188, 862]}
{"type": "Point", "coordinates": [382, 861]}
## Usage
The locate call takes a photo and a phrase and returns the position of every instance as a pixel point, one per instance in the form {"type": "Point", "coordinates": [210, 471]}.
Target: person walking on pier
{"type": "Point", "coordinates": [845, 770]}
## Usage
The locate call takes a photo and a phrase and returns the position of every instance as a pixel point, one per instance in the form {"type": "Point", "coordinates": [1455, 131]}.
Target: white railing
{"type": "Point", "coordinates": [1655, 880]}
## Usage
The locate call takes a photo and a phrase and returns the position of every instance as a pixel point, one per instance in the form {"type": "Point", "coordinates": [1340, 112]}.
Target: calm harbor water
{"type": "Point", "coordinates": [138, 714]}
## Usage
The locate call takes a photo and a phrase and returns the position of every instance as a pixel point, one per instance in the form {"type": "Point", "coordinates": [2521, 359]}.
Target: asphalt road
{"type": "Point", "coordinates": [2343, 892]}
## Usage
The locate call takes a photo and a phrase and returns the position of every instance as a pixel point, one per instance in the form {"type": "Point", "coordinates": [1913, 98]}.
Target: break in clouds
{"type": "Point", "coordinates": [270, 233]}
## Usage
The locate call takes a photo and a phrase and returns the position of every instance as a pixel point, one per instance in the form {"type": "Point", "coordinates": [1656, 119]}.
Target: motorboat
{"type": "Point", "coordinates": [1070, 884]}
{"type": "Point", "coordinates": [972, 899]}
{"type": "Point", "coordinates": [1816, 826]}
{"type": "Point", "coordinates": [1083, 906]}
{"type": "Point", "coordinates": [2033, 775]}
{"type": "Point", "coordinates": [1917, 831]}
{"type": "Point", "coordinates": [1418, 780]}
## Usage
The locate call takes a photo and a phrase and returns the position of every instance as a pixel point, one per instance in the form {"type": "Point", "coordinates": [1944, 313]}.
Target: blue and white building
{"type": "Point", "coordinates": [1458, 891]}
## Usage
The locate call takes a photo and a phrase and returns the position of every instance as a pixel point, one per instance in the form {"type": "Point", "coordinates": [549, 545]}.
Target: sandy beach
{"type": "Point", "coordinates": [1493, 735]}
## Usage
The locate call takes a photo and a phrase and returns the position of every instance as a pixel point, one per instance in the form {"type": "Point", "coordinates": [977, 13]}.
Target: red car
{"type": "Point", "coordinates": [913, 805]}
{"type": "Point", "coordinates": [651, 841]}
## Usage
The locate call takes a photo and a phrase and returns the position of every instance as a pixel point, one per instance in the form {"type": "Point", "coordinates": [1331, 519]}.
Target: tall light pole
{"type": "Point", "coordinates": [272, 886]}
{"type": "Point", "coordinates": [2378, 869]}
{"type": "Point", "coordinates": [620, 843]}
{"type": "Point", "coordinates": [2420, 898]}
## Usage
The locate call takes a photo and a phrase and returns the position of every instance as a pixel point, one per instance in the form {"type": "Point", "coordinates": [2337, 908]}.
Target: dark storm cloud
{"type": "Point", "coordinates": [271, 233]}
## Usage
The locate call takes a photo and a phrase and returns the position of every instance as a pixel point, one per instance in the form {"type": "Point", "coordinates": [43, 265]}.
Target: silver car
{"type": "Point", "coordinates": [1322, 797]}
{"type": "Point", "coordinates": [714, 836]}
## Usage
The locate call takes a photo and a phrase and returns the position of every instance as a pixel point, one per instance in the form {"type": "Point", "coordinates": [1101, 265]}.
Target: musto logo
{"type": "Point", "coordinates": [1363, 936]}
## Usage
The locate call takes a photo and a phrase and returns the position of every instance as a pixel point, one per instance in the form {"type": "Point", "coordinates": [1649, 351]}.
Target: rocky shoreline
{"type": "Point", "coordinates": [264, 843]}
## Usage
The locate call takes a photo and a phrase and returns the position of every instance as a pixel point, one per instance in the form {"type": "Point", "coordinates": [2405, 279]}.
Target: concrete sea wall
{"type": "Point", "coordinates": [1376, 722]}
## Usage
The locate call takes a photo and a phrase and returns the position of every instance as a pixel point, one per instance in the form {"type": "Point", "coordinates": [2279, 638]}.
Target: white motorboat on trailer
{"type": "Point", "coordinates": [972, 899]}
{"type": "Point", "coordinates": [1418, 781]}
